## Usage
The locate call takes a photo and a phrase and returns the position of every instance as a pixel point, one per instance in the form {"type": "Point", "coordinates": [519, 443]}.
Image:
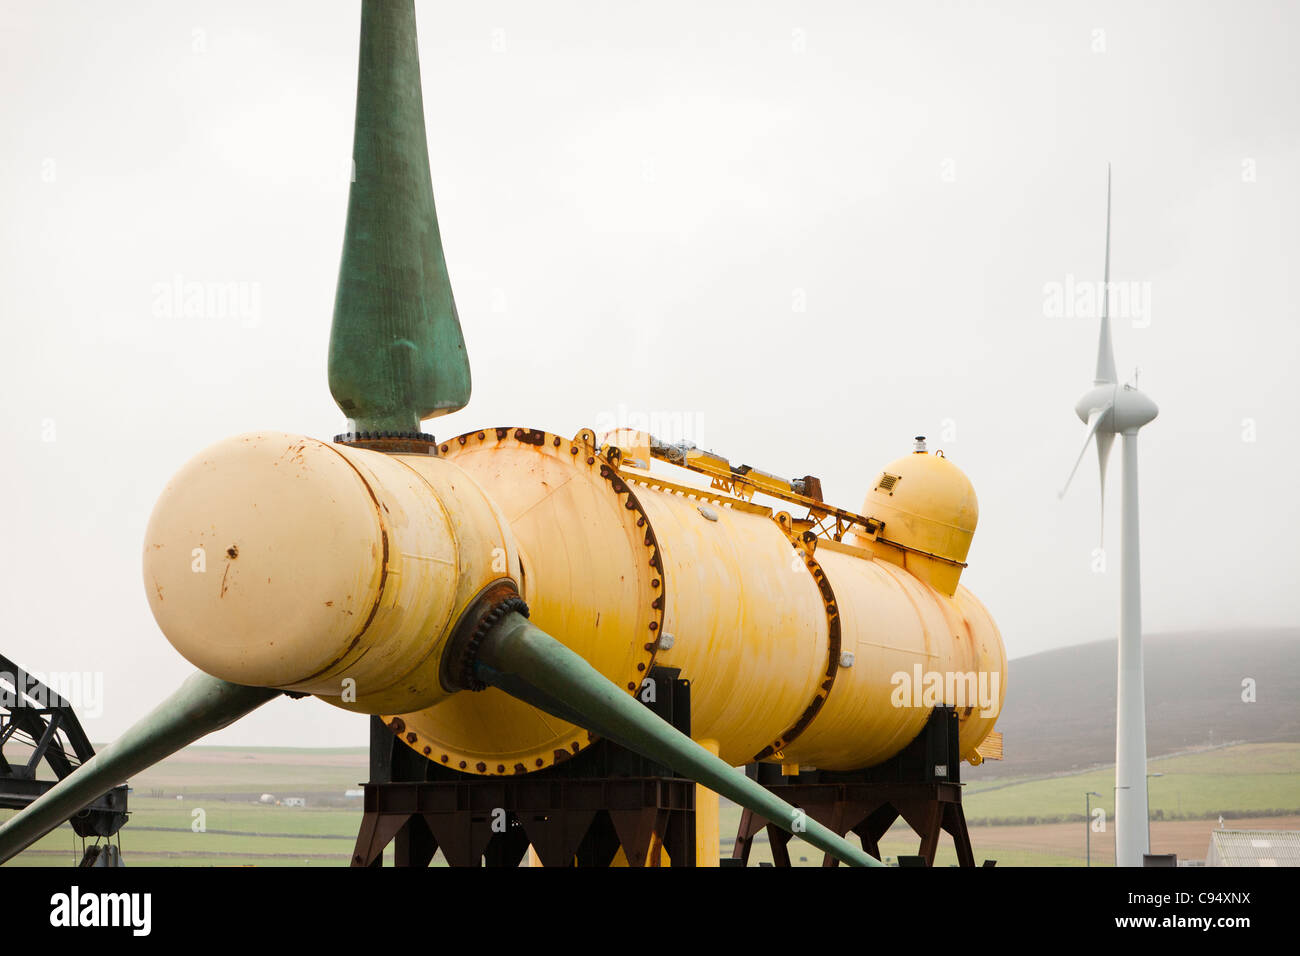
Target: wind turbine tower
{"type": "Point", "coordinates": [1111, 409]}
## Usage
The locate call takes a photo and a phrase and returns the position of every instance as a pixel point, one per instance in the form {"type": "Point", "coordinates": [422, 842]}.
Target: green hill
{"type": "Point", "coordinates": [1059, 713]}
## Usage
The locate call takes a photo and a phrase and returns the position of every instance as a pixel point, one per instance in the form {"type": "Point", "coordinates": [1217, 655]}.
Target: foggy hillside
{"type": "Point", "coordinates": [1059, 712]}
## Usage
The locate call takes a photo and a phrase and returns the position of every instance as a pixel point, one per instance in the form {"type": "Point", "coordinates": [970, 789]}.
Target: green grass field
{"type": "Point", "coordinates": [1019, 822]}
{"type": "Point", "coordinates": [225, 784]}
{"type": "Point", "coordinates": [1248, 779]}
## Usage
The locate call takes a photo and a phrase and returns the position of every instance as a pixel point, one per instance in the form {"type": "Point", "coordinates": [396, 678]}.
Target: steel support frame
{"type": "Point", "coordinates": [50, 722]}
{"type": "Point", "coordinates": [867, 810]}
{"type": "Point", "coordinates": [579, 812]}
{"type": "Point", "coordinates": [921, 784]}
{"type": "Point", "coordinates": [571, 822]}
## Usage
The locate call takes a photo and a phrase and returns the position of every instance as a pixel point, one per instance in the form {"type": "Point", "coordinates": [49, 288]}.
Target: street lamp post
{"type": "Point", "coordinates": [1149, 776]}
{"type": "Point", "coordinates": [1087, 823]}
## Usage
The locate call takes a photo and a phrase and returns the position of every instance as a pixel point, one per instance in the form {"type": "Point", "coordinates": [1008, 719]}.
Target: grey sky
{"type": "Point", "coordinates": [806, 232]}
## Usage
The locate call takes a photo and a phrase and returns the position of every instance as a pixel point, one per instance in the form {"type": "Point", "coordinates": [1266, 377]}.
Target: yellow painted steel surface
{"type": "Point", "coordinates": [747, 622]}
{"type": "Point", "coordinates": [708, 822]}
{"type": "Point", "coordinates": [891, 622]}
{"type": "Point", "coordinates": [930, 512]}
{"type": "Point", "coordinates": [590, 577]}
{"type": "Point", "coordinates": [278, 560]}
{"type": "Point", "coordinates": [328, 564]}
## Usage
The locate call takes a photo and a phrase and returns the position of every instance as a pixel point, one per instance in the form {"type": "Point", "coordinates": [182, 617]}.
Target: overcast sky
{"type": "Point", "coordinates": [798, 233]}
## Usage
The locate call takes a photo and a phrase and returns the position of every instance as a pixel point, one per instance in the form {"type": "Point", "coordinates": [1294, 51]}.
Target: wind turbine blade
{"type": "Point", "coordinates": [1105, 349]}
{"type": "Point", "coordinates": [1104, 442]}
{"type": "Point", "coordinates": [1094, 420]}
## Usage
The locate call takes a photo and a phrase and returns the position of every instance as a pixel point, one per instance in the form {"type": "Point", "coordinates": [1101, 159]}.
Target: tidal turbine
{"type": "Point", "coordinates": [501, 598]}
{"type": "Point", "coordinates": [434, 612]}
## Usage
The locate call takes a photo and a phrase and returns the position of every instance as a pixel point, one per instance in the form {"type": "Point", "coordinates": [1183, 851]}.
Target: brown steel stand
{"type": "Point", "coordinates": [579, 812]}
{"type": "Point", "coordinates": [921, 785]}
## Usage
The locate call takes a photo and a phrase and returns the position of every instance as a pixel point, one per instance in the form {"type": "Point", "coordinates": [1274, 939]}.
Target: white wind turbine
{"type": "Point", "coordinates": [1112, 409]}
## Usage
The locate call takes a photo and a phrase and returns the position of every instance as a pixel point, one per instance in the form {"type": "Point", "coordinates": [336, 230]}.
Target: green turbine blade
{"type": "Point", "coordinates": [397, 355]}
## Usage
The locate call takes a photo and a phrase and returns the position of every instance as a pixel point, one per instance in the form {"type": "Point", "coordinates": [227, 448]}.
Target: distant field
{"type": "Point", "coordinates": [282, 771]}
{"type": "Point", "coordinates": [1250, 784]}
{"type": "Point", "coordinates": [1039, 821]}
{"type": "Point", "coordinates": [1060, 844]}
{"type": "Point", "coordinates": [225, 783]}
{"type": "Point", "coordinates": [1244, 779]}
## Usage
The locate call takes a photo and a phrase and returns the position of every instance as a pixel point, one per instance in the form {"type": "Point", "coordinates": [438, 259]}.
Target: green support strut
{"type": "Point", "coordinates": [201, 705]}
{"type": "Point", "coordinates": [515, 650]}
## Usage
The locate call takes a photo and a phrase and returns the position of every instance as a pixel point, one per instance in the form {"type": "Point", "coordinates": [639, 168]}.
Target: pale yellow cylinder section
{"type": "Point", "coordinates": [904, 637]}
{"type": "Point", "coordinates": [279, 560]}
{"type": "Point", "coordinates": [747, 622]}
{"type": "Point", "coordinates": [589, 577]}
{"type": "Point", "coordinates": [708, 825]}
{"type": "Point", "coordinates": [473, 541]}
{"type": "Point", "coordinates": [888, 622]}
{"type": "Point", "coordinates": [988, 655]}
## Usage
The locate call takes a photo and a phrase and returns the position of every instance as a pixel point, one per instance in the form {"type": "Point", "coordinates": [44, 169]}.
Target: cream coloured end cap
{"type": "Point", "coordinates": [264, 559]}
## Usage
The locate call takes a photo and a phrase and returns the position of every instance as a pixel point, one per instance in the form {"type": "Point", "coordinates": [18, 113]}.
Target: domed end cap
{"type": "Point", "coordinates": [263, 559]}
{"type": "Point", "coordinates": [930, 512]}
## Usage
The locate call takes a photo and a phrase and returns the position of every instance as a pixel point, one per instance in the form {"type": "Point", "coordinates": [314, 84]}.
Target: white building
{"type": "Point", "coordinates": [1253, 848]}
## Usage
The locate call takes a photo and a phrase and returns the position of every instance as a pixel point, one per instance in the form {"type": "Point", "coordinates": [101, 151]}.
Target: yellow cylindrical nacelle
{"type": "Point", "coordinates": [332, 568]}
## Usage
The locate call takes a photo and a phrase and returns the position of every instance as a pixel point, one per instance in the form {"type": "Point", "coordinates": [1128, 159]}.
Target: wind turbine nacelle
{"type": "Point", "coordinates": [332, 568]}
{"type": "Point", "coordinates": [1130, 409]}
